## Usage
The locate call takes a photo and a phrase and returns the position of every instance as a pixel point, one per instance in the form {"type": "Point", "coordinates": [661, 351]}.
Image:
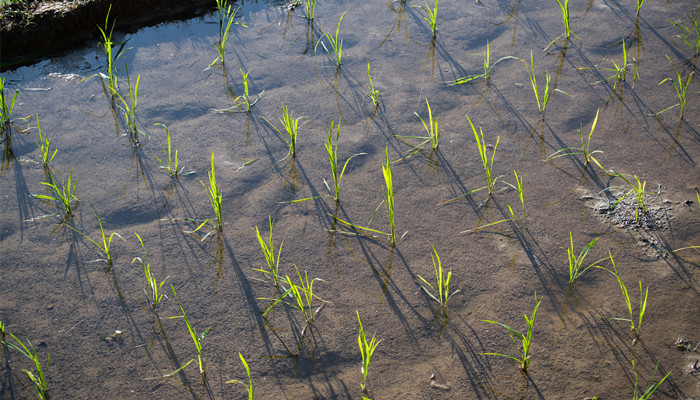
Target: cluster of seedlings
{"type": "Point", "coordinates": [297, 291]}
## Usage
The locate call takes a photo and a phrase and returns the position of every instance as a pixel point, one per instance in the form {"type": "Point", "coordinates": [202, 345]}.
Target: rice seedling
{"type": "Point", "coordinates": [680, 88]}
{"type": "Point", "coordinates": [63, 195]}
{"type": "Point", "coordinates": [431, 128]}
{"type": "Point", "coordinates": [291, 127]}
{"type": "Point", "coordinates": [332, 151]}
{"type": "Point", "coordinates": [373, 93]}
{"type": "Point", "coordinates": [639, 6]}
{"type": "Point", "coordinates": [269, 252]}
{"type": "Point", "coordinates": [541, 104]}
{"type": "Point", "coordinates": [690, 30]}
{"type": "Point", "coordinates": [107, 46]}
{"type": "Point", "coordinates": [153, 293]}
{"type": "Point", "coordinates": [335, 43]}
{"type": "Point", "coordinates": [431, 17]}
{"type": "Point", "coordinates": [366, 350]}
{"type": "Point", "coordinates": [129, 108]}
{"type": "Point", "coordinates": [44, 144]}
{"type": "Point", "coordinates": [584, 149]}
{"type": "Point", "coordinates": [214, 195]}
{"type": "Point", "coordinates": [227, 14]}
{"type": "Point", "coordinates": [389, 199]}
{"type": "Point", "coordinates": [441, 291]}
{"type": "Point", "coordinates": [565, 17]}
{"type": "Point", "coordinates": [249, 385]}
{"type": "Point", "coordinates": [5, 108]}
{"type": "Point", "coordinates": [310, 9]}
{"type": "Point", "coordinates": [644, 393]}
{"type": "Point", "coordinates": [37, 375]}
{"type": "Point", "coordinates": [638, 189]}
{"type": "Point", "coordinates": [106, 243]}
{"type": "Point", "coordinates": [525, 339]}
{"type": "Point", "coordinates": [625, 294]}
{"type": "Point", "coordinates": [486, 75]}
{"type": "Point", "coordinates": [576, 268]}
{"type": "Point", "coordinates": [619, 75]}
{"type": "Point", "coordinates": [487, 164]}
{"type": "Point", "coordinates": [170, 161]}
{"type": "Point", "coordinates": [519, 189]}
{"type": "Point", "coordinates": [197, 339]}
{"type": "Point", "coordinates": [302, 296]}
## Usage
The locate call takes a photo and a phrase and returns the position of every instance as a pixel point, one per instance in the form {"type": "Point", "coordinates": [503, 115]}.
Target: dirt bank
{"type": "Point", "coordinates": [31, 29]}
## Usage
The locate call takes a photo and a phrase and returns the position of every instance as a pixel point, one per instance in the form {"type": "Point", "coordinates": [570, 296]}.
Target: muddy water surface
{"type": "Point", "coordinates": [71, 307]}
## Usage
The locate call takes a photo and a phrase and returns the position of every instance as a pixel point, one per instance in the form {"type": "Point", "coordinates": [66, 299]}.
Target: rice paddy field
{"type": "Point", "coordinates": [489, 181]}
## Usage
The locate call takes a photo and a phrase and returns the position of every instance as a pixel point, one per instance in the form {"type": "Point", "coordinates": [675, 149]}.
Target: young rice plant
{"type": "Point", "coordinates": [366, 350]}
{"type": "Point", "coordinates": [37, 375]}
{"type": "Point", "coordinates": [525, 339]}
{"type": "Point", "coordinates": [441, 291]}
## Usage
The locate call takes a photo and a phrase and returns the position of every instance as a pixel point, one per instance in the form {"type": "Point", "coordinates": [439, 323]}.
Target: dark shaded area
{"type": "Point", "coordinates": [34, 29]}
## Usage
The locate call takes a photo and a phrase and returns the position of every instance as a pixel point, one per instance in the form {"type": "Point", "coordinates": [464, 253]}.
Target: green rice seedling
{"type": "Point", "coordinates": [431, 128]}
{"type": "Point", "coordinates": [170, 161]}
{"type": "Point", "coordinates": [487, 164]}
{"type": "Point", "coordinates": [576, 268]}
{"type": "Point", "coordinates": [625, 294]}
{"type": "Point", "coordinates": [335, 43]}
{"type": "Point", "coordinates": [302, 296]}
{"type": "Point", "coordinates": [244, 101]}
{"type": "Point", "coordinates": [107, 46]}
{"type": "Point", "coordinates": [197, 339]}
{"type": "Point", "coordinates": [366, 350]}
{"type": "Point", "coordinates": [619, 75]}
{"type": "Point", "coordinates": [389, 199]}
{"type": "Point", "coordinates": [63, 195]}
{"type": "Point", "coordinates": [227, 14]}
{"type": "Point", "coordinates": [564, 6]}
{"type": "Point", "coordinates": [44, 144]}
{"type": "Point", "coordinates": [153, 293]}
{"type": "Point", "coordinates": [541, 104]}
{"type": "Point", "coordinates": [129, 108]}
{"type": "Point", "coordinates": [106, 243]}
{"type": "Point", "coordinates": [332, 151]}
{"type": "Point", "coordinates": [639, 6]}
{"type": "Point", "coordinates": [644, 393]}
{"type": "Point", "coordinates": [519, 189]}
{"type": "Point", "coordinates": [388, 203]}
{"type": "Point", "coordinates": [291, 127]}
{"type": "Point", "coordinates": [486, 75]}
{"type": "Point", "coordinates": [680, 87]}
{"type": "Point", "coordinates": [37, 375]}
{"type": "Point", "coordinates": [525, 340]}
{"type": "Point", "coordinates": [269, 252]}
{"type": "Point", "coordinates": [373, 93]}
{"type": "Point", "coordinates": [584, 149]}
{"type": "Point", "coordinates": [5, 108]}
{"type": "Point", "coordinates": [431, 17]}
{"type": "Point", "coordinates": [638, 189]}
{"type": "Point", "coordinates": [214, 195]}
{"type": "Point", "coordinates": [441, 291]}
{"type": "Point", "coordinates": [310, 9]}
{"type": "Point", "coordinates": [690, 30]}
{"type": "Point", "coordinates": [249, 385]}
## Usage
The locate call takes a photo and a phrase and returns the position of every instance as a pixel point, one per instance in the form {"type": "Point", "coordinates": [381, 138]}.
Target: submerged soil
{"type": "Point", "coordinates": [92, 321]}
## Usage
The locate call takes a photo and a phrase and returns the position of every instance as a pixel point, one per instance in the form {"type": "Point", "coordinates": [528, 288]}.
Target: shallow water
{"type": "Point", "coordinates": [70, 307]}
